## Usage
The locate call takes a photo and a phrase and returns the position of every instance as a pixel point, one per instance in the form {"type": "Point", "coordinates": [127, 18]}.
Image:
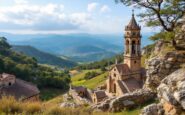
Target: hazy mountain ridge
{"type": "Point", "coordinates": [79, 47]}
{"type": "Point", "coordinates": [43, 57]}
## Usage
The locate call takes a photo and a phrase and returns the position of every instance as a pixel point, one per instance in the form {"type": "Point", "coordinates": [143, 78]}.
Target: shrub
{"type": "Point", "coordinates": [91, 75]}
{"type": "Point", "coordinates": [32, 108]}
{"type": "Point", "coordinates": [10, 105]}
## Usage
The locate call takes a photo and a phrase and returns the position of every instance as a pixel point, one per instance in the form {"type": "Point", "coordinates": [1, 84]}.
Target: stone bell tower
{"type": "Point", "coordinates": [132, 53]}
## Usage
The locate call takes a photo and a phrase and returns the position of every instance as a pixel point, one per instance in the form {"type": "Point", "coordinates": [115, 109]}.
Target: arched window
{"type": "Point", "coordinates": [133, 47]}
{"type": "Point", "coordinates": [114, 88]}
{"type": "Point", "coordinates": [114, 75]}
{"type": "Point", "coordinates": [127, 46]}
{"type": "Point", "coordinates": [9, 83]}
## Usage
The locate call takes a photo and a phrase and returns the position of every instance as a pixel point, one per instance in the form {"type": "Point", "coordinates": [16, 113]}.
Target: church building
{"type": "Point", "coordinates": [128, 76]}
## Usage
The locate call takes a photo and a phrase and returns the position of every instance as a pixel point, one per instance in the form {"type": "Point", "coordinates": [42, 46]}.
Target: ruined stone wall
{"type": "Point", "coordinates": [128, 100]}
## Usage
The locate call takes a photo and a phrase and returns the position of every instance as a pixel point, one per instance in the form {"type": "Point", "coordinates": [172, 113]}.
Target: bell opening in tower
{"type": "Point", "coordinates": [133, 47]}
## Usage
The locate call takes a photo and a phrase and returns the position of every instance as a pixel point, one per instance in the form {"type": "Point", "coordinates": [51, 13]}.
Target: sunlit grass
{"type": "Point", "coordinates": [78, 80]}
{"type": "Point", "coordinates": [49, 93]}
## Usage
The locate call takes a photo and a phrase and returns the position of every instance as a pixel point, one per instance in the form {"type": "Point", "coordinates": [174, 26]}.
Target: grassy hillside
{"type": "Point", "coordinates": [43, 57]}
{"type": "Point", "coordinates": [9, 106]}
{"type": "Point", "coordinates": [28, 69]}
{"type": "Point", "coordinates": [92, 57]}
{"type": "Point", "coordinates": [79, 80]}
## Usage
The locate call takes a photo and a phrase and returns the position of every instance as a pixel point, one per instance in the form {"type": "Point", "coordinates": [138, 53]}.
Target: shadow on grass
{"type": "Point", "coordinates": [50, 93]}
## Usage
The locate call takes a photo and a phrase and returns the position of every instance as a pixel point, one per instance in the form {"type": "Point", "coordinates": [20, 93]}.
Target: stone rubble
{"type": "Point", "coordinates": [153, 109]}
{"type": "Point", "coordinates": [171, 94]}
{"type": "Point", "coordinates": [126, 101]}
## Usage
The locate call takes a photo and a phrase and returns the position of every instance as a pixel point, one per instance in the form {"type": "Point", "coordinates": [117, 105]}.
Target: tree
{"type": "Point", "coordinates": [3, 43]}
{"type": "Point", "coordinates": [163, 13]}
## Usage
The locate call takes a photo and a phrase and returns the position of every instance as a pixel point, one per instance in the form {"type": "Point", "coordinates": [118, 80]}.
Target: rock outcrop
{"type": "Point", "coordinates": [160, 67]}
{"type": "Point", "coordinates": [180, 36]}
{"type": "Point", "coordinates": [166, 76]}
{"type": "Point", "coordinates": [171, 94]}
{"type": "Point", "coordinates": [165, 59]}
{"type": "Point", "coordinates": [153, 109]}
{"type": "Point", "coordinates": [129, 100]}
{"type": "Point", "coordinates": [69, 104]}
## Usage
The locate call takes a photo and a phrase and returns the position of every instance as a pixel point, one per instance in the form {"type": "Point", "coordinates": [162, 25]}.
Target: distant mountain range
{"type": "Point", "coordinates": [78, 47]}
{"type": "Point", "coordinates": [44, 58]}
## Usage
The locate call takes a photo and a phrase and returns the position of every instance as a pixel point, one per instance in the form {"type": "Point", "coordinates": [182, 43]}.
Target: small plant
{"type": "Point", "coordinates": [10, 105]}
{"type": "Point", "coordinates": [54, 111]}
{"type": "Point", "coordinates": [32, 108]}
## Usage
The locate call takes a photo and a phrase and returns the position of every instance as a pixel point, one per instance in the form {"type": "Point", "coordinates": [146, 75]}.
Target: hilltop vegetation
{"type": "Point", "coordinates": [28, 69]}
{"type": "Point", "coordinates": [101, 64]}
{"type": "Point", "coordinates": [94, 74]}
{"type": "Point", "coordinates": [43, 57]}
{"type": "Point", "coordinates": [91, 83]}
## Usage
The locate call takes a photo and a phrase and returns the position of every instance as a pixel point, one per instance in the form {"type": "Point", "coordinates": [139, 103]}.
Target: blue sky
{"type": "Point", "coordinates": [64, 16]}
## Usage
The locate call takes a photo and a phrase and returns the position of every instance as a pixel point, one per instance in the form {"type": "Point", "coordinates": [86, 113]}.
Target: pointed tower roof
{"type": "Point", "coordinates": [133, 24]}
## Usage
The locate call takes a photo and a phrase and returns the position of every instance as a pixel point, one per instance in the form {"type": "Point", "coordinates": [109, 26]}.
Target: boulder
{"type": "Point", "coordinates": [103, 106]}
{"type": "Point", "coordinates": [160, 67]}
{"type": "Point", "coordinates": [127, 101]}
{"type": "Point", "coordinates": [171, 92]}
{"type": "Point", "coordinates": [69, 105]}
{"type": "Point", "coordinates": [153, 109]}
{"type": "Point", "coordinates": [180, 36]}
{"type": "Point", "coordinates": [158, 46]}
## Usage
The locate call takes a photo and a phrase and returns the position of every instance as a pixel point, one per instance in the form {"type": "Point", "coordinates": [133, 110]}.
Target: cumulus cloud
{"type": "Point", "coordinates": [49, 17]}
{"type": "Point", "coordinates": [24, 17]}
{"type": "Point", "coordinates": [104, 9]}
{"type": "Point", "coordinates": [92, 6]}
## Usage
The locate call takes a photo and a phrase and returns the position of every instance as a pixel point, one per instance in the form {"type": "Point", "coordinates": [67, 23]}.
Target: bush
{"type": "Point", "coordinates": [90, 75]}
{"type": "Point", "coordinates": [8, 105]}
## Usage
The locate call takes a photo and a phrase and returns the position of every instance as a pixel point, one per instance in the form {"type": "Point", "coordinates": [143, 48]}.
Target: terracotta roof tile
{"type": "Point", "coordinates": [100, 94]}
{"type": "Point", "coordinates": [123, 69]}
{"type": "Point", "coordinates": [123, 89]}
{"type": "Point", "coordinates": [5, 76]}
{"type": "Point", "coordinates": [21, 89]}
{"type": "Point", "coordinates": [132, 84]}
{"type": "Point", "coordinates": [79, 88]}
{"type": "Point", "coordinates": [133, 24]}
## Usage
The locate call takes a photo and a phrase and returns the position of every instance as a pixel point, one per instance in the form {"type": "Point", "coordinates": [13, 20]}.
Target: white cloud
{"type": "Point", "coordinates": [92, 6]}
{"type": "Point", "coordinates": [80, 18]}
{"type": "Point", "coordinates": [24, 17]}
{"type": "Point", "coordinates": [49, 17]}
{"type": "Point", "coordinates": [104, 9]}
{"type": "Point", "coordinates": [20, 1]}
